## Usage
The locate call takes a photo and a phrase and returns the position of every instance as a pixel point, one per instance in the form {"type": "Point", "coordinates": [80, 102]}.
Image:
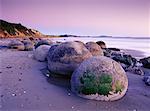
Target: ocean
{"type": "Point", "coordinates": [139, 44]}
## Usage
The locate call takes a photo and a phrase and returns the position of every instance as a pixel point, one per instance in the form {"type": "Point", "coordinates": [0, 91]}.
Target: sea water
{"type": "Point", "coordinates": [139, 44]}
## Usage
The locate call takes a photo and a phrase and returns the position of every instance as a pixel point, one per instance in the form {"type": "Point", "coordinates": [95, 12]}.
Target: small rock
{"type": "Point", "coordinates": [145, 62]}
{"type": "Point", "coordinates": [30, 55]}
{"type": "Point", "coordinates": [72, 107]}
{"type": "Point", "coordinates": [13, 94]}
{"type": "Point", "coordinates": [24, 92]}
{"type": "Point", "coordinates": [8, 67]}
{"type": "Point", "coordinates": [146, 79]}
{"type": "Point", "coordinates": [69, 94]}
{"type": "Point", "coordinates": [47, 75]}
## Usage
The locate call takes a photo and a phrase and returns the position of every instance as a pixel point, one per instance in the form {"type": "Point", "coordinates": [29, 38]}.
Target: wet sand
{"type": "Point", "coordinates": [24, 88]}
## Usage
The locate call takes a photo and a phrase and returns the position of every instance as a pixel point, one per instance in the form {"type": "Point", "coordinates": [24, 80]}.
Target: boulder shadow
{"type": "Point", "coordinates": [56, 79]}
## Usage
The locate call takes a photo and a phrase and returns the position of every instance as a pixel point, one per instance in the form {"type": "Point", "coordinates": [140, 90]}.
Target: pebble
{"type": "Point", "coordinates": [13, 94]}
{"type": "Point", "coordinates": [69, 94]}
{"type": "Point", "coordinates": [8, 67]}
{"type": "Point", "coordinates": [47, 75]}
{"type": "Point", "coordinates": [72, 107]}
{"type": "Point", "coordinates": [30, 55]}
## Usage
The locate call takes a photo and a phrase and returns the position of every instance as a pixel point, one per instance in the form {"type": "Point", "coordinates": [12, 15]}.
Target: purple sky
{"type": "Point", "coordinates": [80, 17]}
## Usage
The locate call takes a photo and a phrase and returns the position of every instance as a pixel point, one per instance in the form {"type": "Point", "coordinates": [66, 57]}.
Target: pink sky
{"type": "Point", "coordinates": [80, 17]}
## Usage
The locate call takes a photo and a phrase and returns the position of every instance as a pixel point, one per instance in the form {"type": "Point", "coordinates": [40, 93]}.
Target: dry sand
{"type": "Point", "coordinates": [24, 88]}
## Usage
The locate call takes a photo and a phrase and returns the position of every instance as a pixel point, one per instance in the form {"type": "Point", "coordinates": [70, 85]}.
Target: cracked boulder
{"type": "Point", "coordinates": [66, 57]}
{"type": "Point", "coordinates": [99, 78]}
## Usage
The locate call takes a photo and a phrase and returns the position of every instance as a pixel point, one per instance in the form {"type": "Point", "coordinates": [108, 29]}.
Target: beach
{"type": "Point", "coordinates": [25, 88]}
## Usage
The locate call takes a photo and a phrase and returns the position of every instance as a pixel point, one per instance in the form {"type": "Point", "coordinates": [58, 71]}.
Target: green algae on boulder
{"type": "Point", "coordinates": [99, 78]}
{"type": "Point", "coordinates": [92, 85]}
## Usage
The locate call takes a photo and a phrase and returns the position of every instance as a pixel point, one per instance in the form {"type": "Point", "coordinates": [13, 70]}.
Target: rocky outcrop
{"type": "Point", "coordinates": [101, 44]}
{"type": "Point", "coordinates": [99, 78]}
{"type": "Point", "coordinates": [146, 62]}
{"type": "Point", "coordinates": [66, 57]}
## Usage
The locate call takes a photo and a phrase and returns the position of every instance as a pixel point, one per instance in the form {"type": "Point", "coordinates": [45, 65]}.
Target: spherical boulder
{"type": "Point", "coordinates": [29, 45]}
{"type": "Point", "coordinates": [101, 44]}
{"type": "Point", "coordinates": [43, 42]}
{"type": "Point", "coordinates": [94, 48]}
{"type": "Point", "coordinates": [16, 44]}
{"type": "Point", "coordinates": [66, 57]}
{"type": "Point", "coordinates": [41, 52]}
{"type": "Point", "coordinates": [52, 48]}
{"type": "Point", "coordinates": [99, 78]}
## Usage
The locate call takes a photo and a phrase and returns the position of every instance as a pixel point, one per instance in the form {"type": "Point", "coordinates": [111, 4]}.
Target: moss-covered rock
{"type": "Point", "coordinates": [99, 78]}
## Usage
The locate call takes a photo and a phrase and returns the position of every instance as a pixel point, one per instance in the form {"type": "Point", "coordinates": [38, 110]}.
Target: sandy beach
{"type": "Point", "coordinates": [25, 88]}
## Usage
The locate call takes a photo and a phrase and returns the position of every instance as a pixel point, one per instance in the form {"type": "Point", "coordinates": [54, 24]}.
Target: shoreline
{"type": "Point", "coordinates": [134, 52]}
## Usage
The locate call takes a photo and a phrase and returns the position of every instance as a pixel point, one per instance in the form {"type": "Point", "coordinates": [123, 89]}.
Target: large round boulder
{"type": "Point", "coordinates": [29, 45]}
{"type": "Point", "coordinates": [66, 57]}
{"type": "Point", "coordinates": [99, 78]}
{"type": "Point", "coordinates": [16, 44]}
{"type": "Point", "coordinates": [94, 48]}
{"type": "Point", "coordinates": [41, 52]}
{"type": "Point", "coordinates": [101, 44]}
{"type": "Point", "coordinates": [43, 42]}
